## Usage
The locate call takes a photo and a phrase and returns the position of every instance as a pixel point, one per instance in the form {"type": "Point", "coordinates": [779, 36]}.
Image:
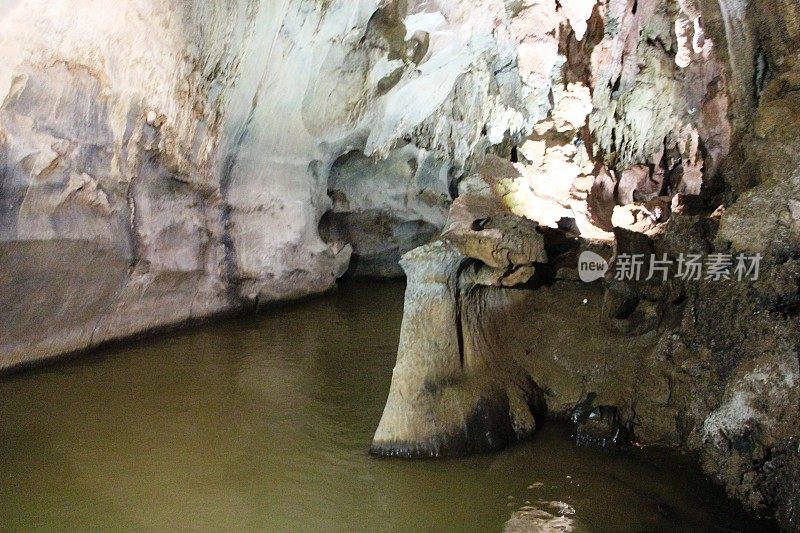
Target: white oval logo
{"type": "Point", "coordinates": [591, 267]}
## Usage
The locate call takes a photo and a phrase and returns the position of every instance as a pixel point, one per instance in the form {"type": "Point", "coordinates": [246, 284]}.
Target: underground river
{"type": "Point", "coordinates": [264, 423]}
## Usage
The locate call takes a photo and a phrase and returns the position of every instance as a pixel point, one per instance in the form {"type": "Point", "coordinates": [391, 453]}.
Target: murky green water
{"type": "Point", "coordinates": [264, 424]}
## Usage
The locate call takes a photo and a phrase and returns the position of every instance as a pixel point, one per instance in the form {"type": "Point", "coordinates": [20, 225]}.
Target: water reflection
{"type": "Point", "coordinates": [264, 424]}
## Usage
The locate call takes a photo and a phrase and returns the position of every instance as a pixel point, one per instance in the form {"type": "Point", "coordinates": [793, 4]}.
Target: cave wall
{"type": "Point", "coordinates": [111, 219]}
{"type": "Point", "coordinates": [685, 108]}
{"type": "Point", "coordinates": [164, 161]}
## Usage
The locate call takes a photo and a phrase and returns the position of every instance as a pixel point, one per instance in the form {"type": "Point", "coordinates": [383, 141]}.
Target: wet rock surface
{"type": "Point", "coordinates": [599, 425]}
{"type": "Point", "coordinates": [452, 392]}
{"type": "Point", "coordinates": [715, 374]}
{"type": "Point", "coordinates": [540, 520]}
{"type": "Point", "coordinates": [709, 365]}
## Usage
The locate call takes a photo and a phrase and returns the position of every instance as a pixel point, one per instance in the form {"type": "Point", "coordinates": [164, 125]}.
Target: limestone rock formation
{"type": "Point", "coordinates": [557, 519]}
{"type": "Point", "coordinates": [203, 160]}
{"type": "Point", "coordinates": [452, 391]}
{"type": "Point", "coordinates": [709, 365]}
{"type": "Point", "coordinates": [386, 208]}
{"type": "Point", "coordinates": [164, 161]}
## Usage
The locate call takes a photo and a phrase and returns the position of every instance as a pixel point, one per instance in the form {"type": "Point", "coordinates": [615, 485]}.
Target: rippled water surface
{"type": "Point", "coordinates": [264, 424]}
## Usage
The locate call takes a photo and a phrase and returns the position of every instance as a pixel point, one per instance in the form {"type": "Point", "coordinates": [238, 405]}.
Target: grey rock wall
{"type": "Point", "coordinates": [164, 161]}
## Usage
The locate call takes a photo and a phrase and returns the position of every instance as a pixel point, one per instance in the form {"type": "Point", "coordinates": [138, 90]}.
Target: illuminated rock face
{"type": "Point", "coordinates": [457, 389]}
{"type": "Point", "coordinates": [165, 161]}
{"type": "Point", "coordinates": [645, 105]}
{"type": "Point", "coordinates": [201, 146]}
{"type": "Point", "coordinates": [111, 220]}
